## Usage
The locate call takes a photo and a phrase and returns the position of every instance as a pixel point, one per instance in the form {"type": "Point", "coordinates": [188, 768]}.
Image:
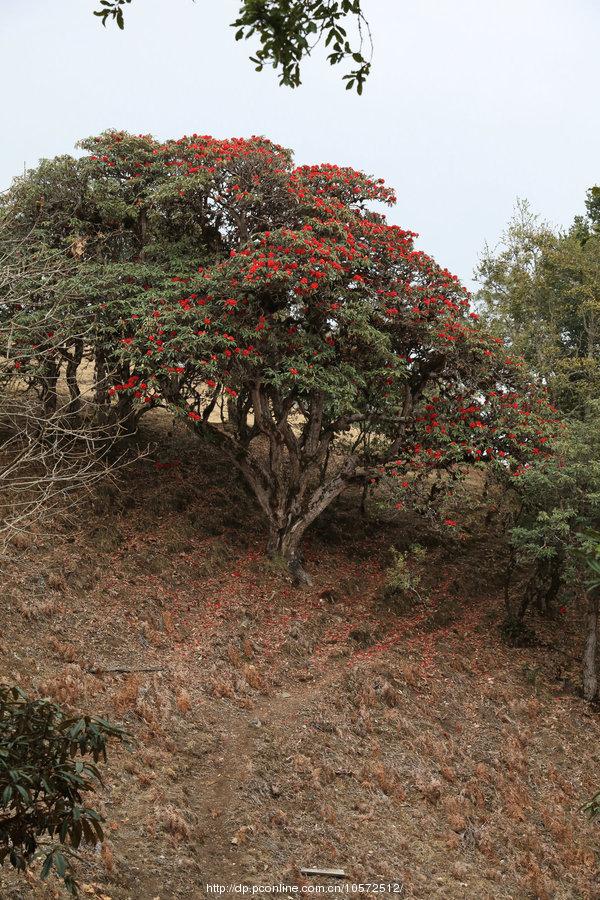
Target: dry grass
{"type": "Point", "coordinates": [289, 728]}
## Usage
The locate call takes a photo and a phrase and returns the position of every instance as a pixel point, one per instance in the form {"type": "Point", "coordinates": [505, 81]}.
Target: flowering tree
{"type": "Point", "coordinates": [215, 275]}
{"type": "Point", "coordinates": [346, 354]}
{"type": "Point", "coordinates": [114, 234]}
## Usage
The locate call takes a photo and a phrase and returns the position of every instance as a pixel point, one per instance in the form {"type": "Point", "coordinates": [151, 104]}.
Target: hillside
{"type": "Point", "coordinates": [278, 728]}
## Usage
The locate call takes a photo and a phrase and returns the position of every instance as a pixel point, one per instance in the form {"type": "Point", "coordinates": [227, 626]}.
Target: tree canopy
{"type": "Point", "coordinates": [541, 289]}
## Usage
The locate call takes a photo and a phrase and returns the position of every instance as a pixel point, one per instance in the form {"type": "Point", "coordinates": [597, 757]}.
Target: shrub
{"type": "Point", "coordinates": [43, 783]}
{"type": "Point", "coordinates": [400, 590]}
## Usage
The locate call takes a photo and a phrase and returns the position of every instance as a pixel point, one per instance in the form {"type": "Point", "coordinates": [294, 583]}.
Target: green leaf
{"type": "Point", "coordinates": [24, 794]}
{"type": "Point", "coordinates": [47, 865]}
{"type": "Point", "coordinates": [60, 863]}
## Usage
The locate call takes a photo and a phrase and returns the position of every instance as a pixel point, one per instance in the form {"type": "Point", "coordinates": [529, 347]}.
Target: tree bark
{"type": "Point", "coordinates": [285, 543]}
{"type": "Point", "coordinates": [73, 363]}
{"type": "Point", "coordinates": [49, 386]}
{"type": "Point", "coordinates": [590, 678]}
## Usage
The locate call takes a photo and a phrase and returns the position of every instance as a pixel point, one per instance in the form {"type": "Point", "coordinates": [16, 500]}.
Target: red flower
{"type": "Point", "coordinates": [450, 522]}
{"type": "Point", "coordinates": [195, 416]}
{"type": "Point", "coordinates": [294, 372]}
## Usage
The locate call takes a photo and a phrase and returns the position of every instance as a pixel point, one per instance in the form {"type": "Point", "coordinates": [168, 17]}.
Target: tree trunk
{"type": "Point", "coordinates": [73, 363]}
{"type": "Point", "coordinates": [285, 543]}
{"type": "Point", "coordinates": [283, 491]}
{"type": "Point", "coordinates": [101, 398]}
{"type": "Point", "coordinates": [287, 528]}
{"type": "Point", "coordinates": [590, 679]}
{"type": "Point", "coordinates": [231, 411]}
{"type": "Point", "coordinates": [49, 379]}
{"type": "Point", "coordinates": [364, 496]}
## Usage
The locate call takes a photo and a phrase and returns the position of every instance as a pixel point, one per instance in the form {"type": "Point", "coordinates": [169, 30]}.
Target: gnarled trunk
{"type": "Point", "coordinates": [290, 519]}
{"type": "Point", "coordinates": [292, 485]}
{"type": "Point", "coordinates": [285, 544]}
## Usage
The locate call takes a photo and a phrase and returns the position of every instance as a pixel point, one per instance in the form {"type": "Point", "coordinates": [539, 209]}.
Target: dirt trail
{"type": "Point", "coordinates": [222, 856]}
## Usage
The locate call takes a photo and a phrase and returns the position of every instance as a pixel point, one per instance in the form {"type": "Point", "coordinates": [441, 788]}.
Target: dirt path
{"type": "Point", "coordinates": [219, 799]}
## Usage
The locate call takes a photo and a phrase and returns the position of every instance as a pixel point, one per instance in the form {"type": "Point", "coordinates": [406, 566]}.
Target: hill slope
{"type": "Point", "coordinates": [280, 728]}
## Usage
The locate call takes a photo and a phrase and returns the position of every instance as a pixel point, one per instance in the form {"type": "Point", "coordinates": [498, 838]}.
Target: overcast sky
{"type": "Point", "coordinates": [471, 104]}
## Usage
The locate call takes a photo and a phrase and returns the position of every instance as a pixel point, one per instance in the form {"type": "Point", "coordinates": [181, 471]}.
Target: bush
{"type": "Point", "coordinates": [556, 500]}
{"type": "Point", "coordinates": [400, 589]}
{"type": "Point", "coordinates": [43, 783]}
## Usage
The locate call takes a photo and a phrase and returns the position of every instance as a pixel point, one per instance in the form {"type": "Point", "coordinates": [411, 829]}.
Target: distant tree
{"type": "Point", "coordinates": [288, 31]}
{"type": "Point", "coordinates": [593, 206]}
{"type": "Point", "coordinates": [541, 289]}
{"type": "Point", "coordinates": [47, 769]}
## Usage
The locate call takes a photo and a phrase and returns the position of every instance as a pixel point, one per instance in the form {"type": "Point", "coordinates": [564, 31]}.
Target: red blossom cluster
{"type": "Point", "coordinates": [317, 256]}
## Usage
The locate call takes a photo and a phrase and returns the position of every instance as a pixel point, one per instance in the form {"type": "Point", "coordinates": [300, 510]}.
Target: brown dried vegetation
{"type": "Point", "coordinates": [282, 728]}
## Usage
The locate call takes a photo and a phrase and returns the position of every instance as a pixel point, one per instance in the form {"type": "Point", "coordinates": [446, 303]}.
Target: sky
{"type": "Point", "coordinates": [470, 105]}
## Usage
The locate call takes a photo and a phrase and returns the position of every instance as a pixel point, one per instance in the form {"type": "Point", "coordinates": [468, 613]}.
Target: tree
{"type": "Point", "coordinates": [219, 275]}
{"type": "Point", "coordinates": [541, 289]}
{"type": "Point", "coordinates": [347, 353]}
{"type": "Point", "coordinates": [288, 31]}
{"type": "Point", "coordinates": [108, 233]}
{"type": "Point", "coordinates": [43, 785]}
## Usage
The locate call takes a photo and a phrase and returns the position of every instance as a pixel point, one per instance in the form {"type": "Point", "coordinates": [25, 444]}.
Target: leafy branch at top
{"type": "Point", "coordinates": [289, 30]}
{"type": "Point", "coordinates": [112, 9]}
